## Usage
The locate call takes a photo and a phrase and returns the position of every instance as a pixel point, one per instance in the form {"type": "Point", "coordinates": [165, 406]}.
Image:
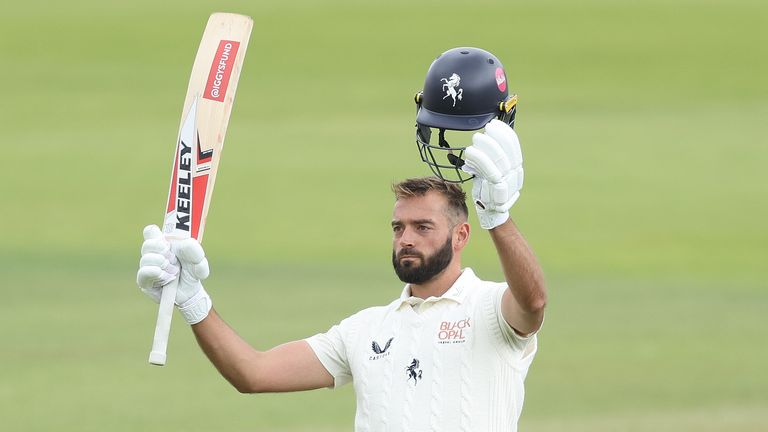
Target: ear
{"type": "Point", "coordinates": [460, 236]}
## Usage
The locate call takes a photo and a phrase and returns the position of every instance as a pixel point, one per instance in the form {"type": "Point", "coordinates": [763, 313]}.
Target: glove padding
{"type": "Point", "coordinates": [162, 261]}
{"type": "Point", "coordinates": [158, 265]}
{"type": "Point", "coordinates": [496, 161]}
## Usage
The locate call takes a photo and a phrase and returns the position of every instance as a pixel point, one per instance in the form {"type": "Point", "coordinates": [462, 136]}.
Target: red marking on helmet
{"type": "Point", "coordinates": [501, 79]}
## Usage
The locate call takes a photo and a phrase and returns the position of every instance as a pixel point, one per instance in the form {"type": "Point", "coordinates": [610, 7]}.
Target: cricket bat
{"type": "Point", "coordinates": [204, 120]}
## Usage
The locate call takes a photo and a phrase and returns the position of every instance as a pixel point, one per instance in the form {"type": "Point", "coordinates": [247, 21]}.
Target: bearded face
{"type": "Point", "coordinates": [413, 267]}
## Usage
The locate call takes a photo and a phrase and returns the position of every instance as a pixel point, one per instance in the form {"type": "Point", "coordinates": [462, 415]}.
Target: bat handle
{"type": "Point", "coordinates": [163, 326]}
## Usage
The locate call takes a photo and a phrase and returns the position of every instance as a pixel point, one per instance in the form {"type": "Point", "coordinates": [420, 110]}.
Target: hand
{"type": "Point", "coordinates": [496, 161]}
{"type": "Point", "coordinates": [162, 261]}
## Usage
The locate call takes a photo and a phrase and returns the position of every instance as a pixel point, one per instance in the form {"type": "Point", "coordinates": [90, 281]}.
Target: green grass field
{"type": "Point", "coordinates": [644, 131]}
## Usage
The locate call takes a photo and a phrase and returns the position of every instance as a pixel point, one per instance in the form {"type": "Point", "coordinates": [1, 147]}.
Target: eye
{"type": "Point", "coordinates": [423, 228]}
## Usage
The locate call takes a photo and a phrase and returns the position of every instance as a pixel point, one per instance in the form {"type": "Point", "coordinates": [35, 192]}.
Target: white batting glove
{"type": "Point", "coordinates": [161, 262]}
{"type": "Point", "coordinates": [496, 161]}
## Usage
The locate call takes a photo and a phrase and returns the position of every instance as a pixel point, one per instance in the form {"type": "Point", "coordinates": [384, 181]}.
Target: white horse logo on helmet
{"type": "Point", "coordinates": [450, 87]}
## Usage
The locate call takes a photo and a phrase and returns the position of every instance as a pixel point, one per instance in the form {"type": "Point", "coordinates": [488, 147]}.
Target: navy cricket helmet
{"type": "Point", "coordinates": [465, 88]}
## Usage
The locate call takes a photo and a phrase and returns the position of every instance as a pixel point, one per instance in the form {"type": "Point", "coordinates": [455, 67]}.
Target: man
{"type": "Point", "coordinates": [452, 352]}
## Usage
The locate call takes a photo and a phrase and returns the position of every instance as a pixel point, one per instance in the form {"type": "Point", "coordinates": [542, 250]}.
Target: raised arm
{"type": "Point", "coordinates": [523, 303]}
{"type": "Point", "coordinates": [289, 367]}
{"type": "Point", "coordinates": [496, 161]}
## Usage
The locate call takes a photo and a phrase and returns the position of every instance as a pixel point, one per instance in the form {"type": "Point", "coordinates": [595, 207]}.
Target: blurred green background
{"type": "Point", "coordinates": [644, 131]}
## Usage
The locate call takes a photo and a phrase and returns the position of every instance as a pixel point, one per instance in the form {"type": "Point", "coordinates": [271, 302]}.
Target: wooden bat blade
{"type": "Point", "coordinates": [204, 119]}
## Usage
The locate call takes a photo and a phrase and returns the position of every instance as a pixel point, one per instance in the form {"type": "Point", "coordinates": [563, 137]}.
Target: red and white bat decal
{"type": "Point", "coordinates": [189, 182]}
{"type": "Point", "coordinates": [221, 69]}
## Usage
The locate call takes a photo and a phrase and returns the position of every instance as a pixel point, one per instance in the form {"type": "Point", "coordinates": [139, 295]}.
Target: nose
{"type": "Point", "coordinates": [406, 238]}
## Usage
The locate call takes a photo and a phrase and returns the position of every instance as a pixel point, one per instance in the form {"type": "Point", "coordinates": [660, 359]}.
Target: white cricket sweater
{"type": "Point", "coordinates": [449, 363]}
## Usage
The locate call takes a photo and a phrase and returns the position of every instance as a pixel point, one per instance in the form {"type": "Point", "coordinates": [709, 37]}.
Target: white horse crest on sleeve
{"type": "Point", "coordinates": [451, 87]}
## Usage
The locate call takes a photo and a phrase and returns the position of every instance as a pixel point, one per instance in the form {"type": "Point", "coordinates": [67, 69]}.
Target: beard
{"type": "Point", "coordinates": [412, 273]}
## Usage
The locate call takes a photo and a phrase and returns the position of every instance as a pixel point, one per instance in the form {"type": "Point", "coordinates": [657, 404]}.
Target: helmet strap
{"type": "Point", "coordinates": [423, 133]}
{"type": "Point", "coordinates": [443, 142]}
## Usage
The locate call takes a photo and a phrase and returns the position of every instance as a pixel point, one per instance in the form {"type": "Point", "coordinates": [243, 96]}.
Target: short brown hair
{"type": "Point", "coordinates": [417, 187]}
